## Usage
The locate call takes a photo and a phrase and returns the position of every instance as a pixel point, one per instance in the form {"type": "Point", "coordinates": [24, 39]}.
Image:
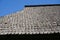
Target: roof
{"type": "Point", "coordinates": [32, 20]}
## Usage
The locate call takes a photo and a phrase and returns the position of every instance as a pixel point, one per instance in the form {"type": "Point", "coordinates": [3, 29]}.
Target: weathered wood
{"type": "Point", "coordinates": [32, 20]}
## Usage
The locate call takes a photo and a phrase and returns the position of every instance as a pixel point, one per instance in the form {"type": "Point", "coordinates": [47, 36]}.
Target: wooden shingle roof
{"type": "Point", "coordinates": [34, 19]}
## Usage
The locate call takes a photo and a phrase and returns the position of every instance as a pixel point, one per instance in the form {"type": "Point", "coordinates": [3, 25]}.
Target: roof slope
{"type": "Point", "coordinates": [32, 20]}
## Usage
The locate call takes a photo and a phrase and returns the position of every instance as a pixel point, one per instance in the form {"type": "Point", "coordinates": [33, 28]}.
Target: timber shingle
{"type": "Point", "coordinates": [32, 20]}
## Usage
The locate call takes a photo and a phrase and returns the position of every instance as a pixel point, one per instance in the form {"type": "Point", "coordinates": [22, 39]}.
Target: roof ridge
{"type": "Point", "coordinates": [42, 5]}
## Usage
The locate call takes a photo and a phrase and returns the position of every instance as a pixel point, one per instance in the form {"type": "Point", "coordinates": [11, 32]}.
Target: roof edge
{"type": "Point", "coordinates": [42, 5]}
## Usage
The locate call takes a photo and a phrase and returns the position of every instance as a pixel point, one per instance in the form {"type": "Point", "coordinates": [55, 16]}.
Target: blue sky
{"type": "Point", "coordinates": [11, 6]}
